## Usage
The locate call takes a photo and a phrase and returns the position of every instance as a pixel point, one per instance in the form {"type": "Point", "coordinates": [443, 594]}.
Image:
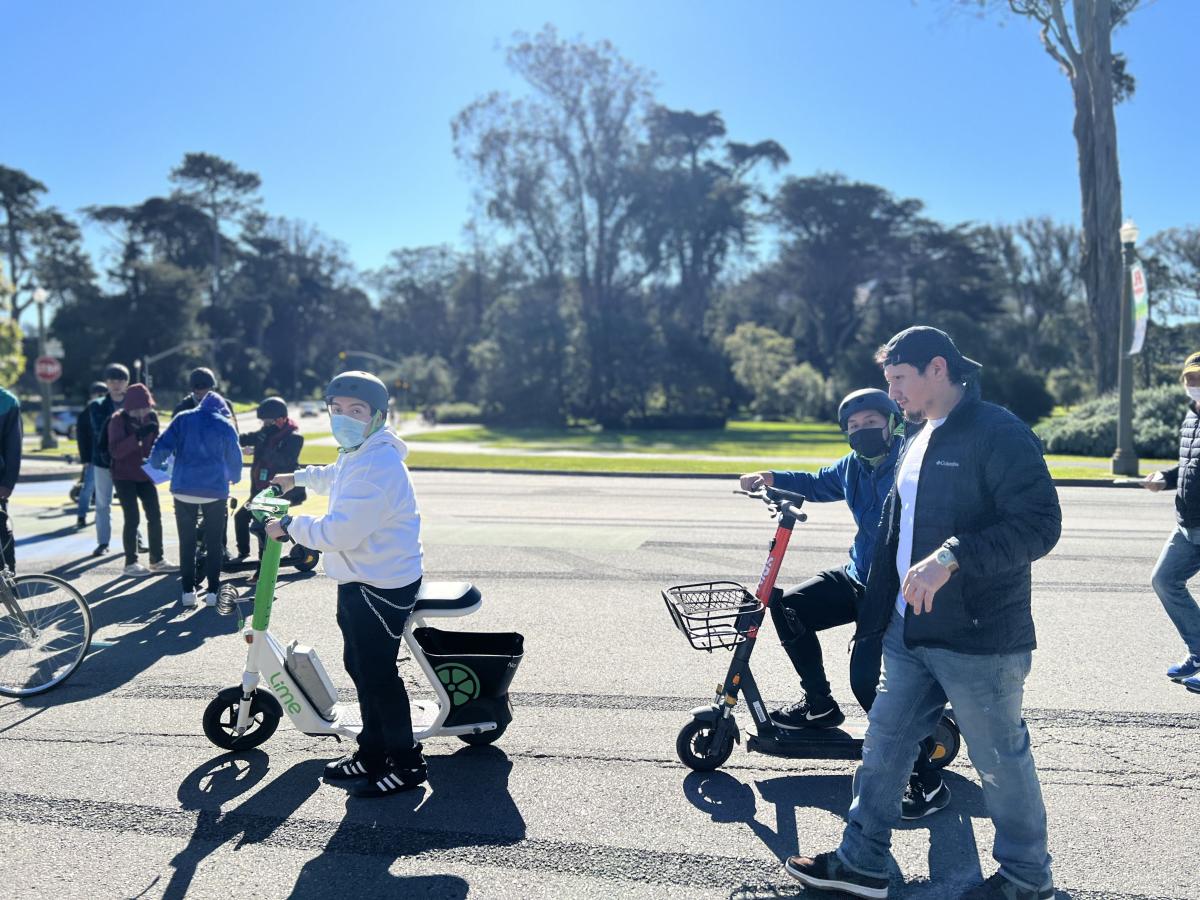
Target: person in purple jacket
{"type": "Point", "coordinates": [131, 433]}
{"type": "Point", "coordinates": [203, 446]}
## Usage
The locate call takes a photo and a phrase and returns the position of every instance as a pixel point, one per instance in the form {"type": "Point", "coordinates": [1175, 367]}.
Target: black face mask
{"type": "Point", "coordinates": [869, 443]}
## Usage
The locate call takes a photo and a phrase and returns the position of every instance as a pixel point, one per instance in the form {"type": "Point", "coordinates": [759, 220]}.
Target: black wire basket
{"type": "Point", "coordinates": [709, 613]}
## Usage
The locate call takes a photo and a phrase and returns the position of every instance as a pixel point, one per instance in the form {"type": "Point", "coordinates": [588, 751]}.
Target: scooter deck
{"type": "Point", "coordinates": [817, 743]}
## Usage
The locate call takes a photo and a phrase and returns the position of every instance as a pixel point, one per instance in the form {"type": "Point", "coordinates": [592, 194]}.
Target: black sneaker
{"type": "Point", "coordinates": [808, 714]}
{"type": "Point", "coordinates": [400, 775]}
{"type": "Point", "coordinates": [919, 801]}
{"type": "Point", "coordinates": [100, 550]}
{"type": "Point", "coordinates": [828, 873]}
{"type": "Point", "coordinates": [1000, 888]}
{"type": "Point", "coordinates": [143, 547]}
{"type": "Point", "coordinates": [353, 766]}
{"type": "Point", "coordinates": [80, 523]}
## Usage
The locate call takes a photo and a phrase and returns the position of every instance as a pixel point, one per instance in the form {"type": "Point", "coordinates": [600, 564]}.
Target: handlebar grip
{"type": "Point", "coordinates": [775, 493]}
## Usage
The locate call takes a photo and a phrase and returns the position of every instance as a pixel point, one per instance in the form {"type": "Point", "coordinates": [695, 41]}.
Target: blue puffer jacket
{"type": "Point", "coordinates": [205, 446]}
{"type": "Point", "coordinates": [862, 487]}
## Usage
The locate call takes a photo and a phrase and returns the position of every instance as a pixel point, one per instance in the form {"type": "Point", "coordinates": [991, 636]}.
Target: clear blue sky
{"type": "Point", "coordinates": [344, 109]}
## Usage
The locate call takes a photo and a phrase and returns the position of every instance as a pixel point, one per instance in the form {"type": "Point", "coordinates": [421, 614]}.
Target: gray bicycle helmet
{"type": "Point", "coordinates": [361, 386]}
{"type": "Point", "coordinates": [867, 398]}
{"type": "Point", "coordinates": [273, 408]}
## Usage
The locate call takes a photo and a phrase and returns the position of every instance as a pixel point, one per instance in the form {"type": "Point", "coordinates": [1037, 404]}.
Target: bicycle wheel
{"type": "Point", "coordinates": [45, 631]}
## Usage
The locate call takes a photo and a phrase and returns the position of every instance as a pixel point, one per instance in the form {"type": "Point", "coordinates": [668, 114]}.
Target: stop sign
{"type": "Point", "coordinates": [47, 369]}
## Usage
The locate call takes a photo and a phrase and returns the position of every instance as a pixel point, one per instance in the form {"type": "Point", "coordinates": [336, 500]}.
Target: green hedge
{"type": "Point", "coordinates": [1090, 429]}
{"type": "Point", "coordinates": [458, 413]}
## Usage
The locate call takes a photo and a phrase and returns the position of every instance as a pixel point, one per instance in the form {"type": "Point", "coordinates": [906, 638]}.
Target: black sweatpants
{"type": "Point", "coordinates": [6, 536]}
{"type": "Point", "coordinates": [211, 526]}
{"type": "Point", "coordinates": [372, 621]}
{"type": "Point", "coordinates": [827, 600]}
{"type": "Point", "coordinates": [129, 493]}
{"type": "Point", "coordinates": [242, 520]}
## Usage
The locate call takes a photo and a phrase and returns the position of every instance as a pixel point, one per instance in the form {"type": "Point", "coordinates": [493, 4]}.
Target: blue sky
{"type": "Point", "coordinates": [345, 109]}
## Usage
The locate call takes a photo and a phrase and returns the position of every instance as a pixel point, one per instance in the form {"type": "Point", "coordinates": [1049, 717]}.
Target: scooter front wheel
{"type": "Point", "coordinates": [700, 748]}
{"type": "Point", "coordinates": [947, 740]}
{"type": "Point", "coordinates": [220, 719]}
{"type": "Point", "coordinates": [484, 737]}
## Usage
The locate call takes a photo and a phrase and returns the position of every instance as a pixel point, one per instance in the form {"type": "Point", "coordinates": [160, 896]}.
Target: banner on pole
{"type": "Point", "coordinates": [1141, 306]}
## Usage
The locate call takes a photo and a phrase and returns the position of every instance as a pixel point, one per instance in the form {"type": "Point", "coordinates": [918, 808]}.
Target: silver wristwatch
{"type": "Point", "coordinates": [945, 556]}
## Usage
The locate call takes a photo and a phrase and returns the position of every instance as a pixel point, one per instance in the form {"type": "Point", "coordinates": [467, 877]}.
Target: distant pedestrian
{"type": "Point", "coordinates": [206, 457]}
{"type": "Point", "coordinates": [11, 433]}
{"type": "Point", "coordinates": [100, 412]}
{"type": "Point", "coordinates": [276, 447]}
{"type": "Point", "coordinates": [132, 431]}
{"type": "Point", "coordinates": [200, 382]}
{"type": "Point", "coordinates": [1180, 558]}
{"type": "Point", "coordinates": [85, 441]}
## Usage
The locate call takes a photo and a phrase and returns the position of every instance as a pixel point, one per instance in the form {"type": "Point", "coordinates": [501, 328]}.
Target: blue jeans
{"type": "Point", "coordinates": [103, 485]}
{"type": "Point", "coordinates": [986, 692]}
{"type": "Point", "coordinates": [1180, 561]}
{"type": "Point", "coordinates": [85, 492]}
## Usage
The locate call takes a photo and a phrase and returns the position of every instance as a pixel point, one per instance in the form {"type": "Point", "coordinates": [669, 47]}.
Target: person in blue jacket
{"type": "Point", "coordinates": [203, 445]}
{"type": "Point", "coordinates": [862, 478]}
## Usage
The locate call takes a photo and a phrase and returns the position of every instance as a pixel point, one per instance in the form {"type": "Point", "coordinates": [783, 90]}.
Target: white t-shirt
{"type": "Point", "coordinates": [906, 486]}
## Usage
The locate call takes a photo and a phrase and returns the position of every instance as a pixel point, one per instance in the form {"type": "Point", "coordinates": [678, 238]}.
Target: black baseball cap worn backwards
{"type": "Point", "coordinates": [917, 345]}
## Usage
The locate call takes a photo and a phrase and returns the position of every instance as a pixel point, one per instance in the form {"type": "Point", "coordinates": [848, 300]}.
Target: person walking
{"type": "Point", "coordinates": [132, 431]}
{"type": "Point", "coordinates": [949, 592]}
{"type": "Point", "coordinates": [276, 446]}
{"type": "Point", "coordinates": [85, 442]}
{"type": "Point", "coordinates": [11, 437]}
{"type": "Point", "coordinates": [203, 447]}
{"type": "Point", "coordinates": [100, 412]}
{"type": "Point", "coordinates": [1180, 558]}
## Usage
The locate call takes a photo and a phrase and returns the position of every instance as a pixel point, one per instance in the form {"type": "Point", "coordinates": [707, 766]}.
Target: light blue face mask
{"type": "Point", "coordinates": [349, 432]}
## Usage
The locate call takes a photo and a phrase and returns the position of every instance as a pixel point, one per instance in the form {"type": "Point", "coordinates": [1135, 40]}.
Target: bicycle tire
{"type": "Point", "coordinates": [15, 637]}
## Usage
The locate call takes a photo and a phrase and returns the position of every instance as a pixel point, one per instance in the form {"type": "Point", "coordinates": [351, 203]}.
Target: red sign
{"type": "Point", "coordinates": [48, 369]}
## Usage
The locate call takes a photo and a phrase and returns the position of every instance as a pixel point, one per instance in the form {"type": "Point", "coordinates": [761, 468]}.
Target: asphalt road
{"type": "Point", "coordinates": [108, 787]}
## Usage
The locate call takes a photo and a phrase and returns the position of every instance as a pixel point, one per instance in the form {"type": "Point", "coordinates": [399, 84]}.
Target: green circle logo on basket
{"type": "Point", "coordinates": [460, 682]}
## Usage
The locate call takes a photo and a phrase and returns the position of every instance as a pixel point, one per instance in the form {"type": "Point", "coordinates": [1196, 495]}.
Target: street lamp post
{"type": "Point", "coordinates": [49, 441]}
{"type": "Point", "coordinates": [1124, 460]}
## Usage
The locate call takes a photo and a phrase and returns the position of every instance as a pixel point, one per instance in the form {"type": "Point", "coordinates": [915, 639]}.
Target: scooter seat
{"type": "Point", "coordinates": [446, 596]}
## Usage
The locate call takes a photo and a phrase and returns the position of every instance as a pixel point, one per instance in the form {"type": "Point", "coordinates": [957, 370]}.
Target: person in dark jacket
{"type": "Point", "coordinates": [276, 447]}
{"type": "Point", "coordinates": [203, 451]}
{"type": "Point", "coordinates": [11, 435]}
{"type": "Point", "coordinates": [85, 441]}
{"type": "Point", "coordinates": [100, 411]}
{"type": "Point", "coordinates": [132, 431]}
{"type": "Point", "coordinates": [949, 592]}
{"type": "Point", "coordinates": [200, 382]}
{"type": "Point", "coordinates": [1180, 558]}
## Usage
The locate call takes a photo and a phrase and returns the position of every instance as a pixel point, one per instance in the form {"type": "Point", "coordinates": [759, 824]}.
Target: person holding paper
{"type": "Point", "coordinates": [204, 447]}
{"type": "Point", "coordinates": [132, 431]}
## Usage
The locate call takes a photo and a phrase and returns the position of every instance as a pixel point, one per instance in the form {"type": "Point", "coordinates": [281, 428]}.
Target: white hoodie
{"type": "Point", "coordinates": [372, 532]}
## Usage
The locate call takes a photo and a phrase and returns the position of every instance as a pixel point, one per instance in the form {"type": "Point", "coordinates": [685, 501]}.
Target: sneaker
{"type": "Point", "coordinates": [188, 600]}
{"type": "Point", "coordinates": [828, 873]}
{"type": "Point", "coordinates": [209, 597]}
{"type": "Point", "coordinates": [80, 523]}
{"type": "Point", "coordinates": [143, 547]}
{"type": "Point", "coordinates": [808, 714]}
{"type": "Point", "coordinates": [400, 775]}
{"type": "Point", "coordinates": [163, 566]}
{"type": "Point", "coordinates": [100, 550]}
{"type": "Point", "coordinates": [136, 570]}
{"type": "Point", "coordinates": [1185, 668]}
{"type": "Point", "coordinates": [920, 802]}
{"type": "Point", "coordinates": [352, 766]}
{"type": "Point", "coordinates": [1000, 888]}
{"type": "Point", "coordinates": [1192, 684]}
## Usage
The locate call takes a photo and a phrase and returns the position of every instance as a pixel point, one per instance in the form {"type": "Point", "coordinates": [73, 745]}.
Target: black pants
{"type": "Point", "coordinates": [129, 493]}
{"type": "Point", "coordinates": [212, 517]}
{"type": "Point", "coordinates": [372, 621]}
{"type": "Point", "coordinates": [6, 536]}
{"type": "Point", "coordinates": [242, 520]}
{"type": "Point", "coordinates": [827, 600]}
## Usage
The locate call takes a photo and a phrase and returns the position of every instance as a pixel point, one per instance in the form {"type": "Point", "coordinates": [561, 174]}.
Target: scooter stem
{"type": "Point", "coordinates": [776, 550]}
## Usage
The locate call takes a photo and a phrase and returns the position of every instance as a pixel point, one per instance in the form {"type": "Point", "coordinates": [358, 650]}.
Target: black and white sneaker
{"type": "Point", "coordinates": [921, 801]}
{"type": "Point", "coordinates": [353, 766]}
{"type": "Point", "coordinates": [828, 873]}
{"type": "Point", "coordinates": [808, 714]}
{"type": "Point", "coordinates": [400, 775]}
{"type": "Point", "coordinates": [1000, 888]}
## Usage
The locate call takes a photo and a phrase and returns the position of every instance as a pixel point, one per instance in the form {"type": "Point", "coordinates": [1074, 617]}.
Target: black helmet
{"type": "Point", "coordinates": [273, 408]}
{"type": "Point", "coordinates": [97, 388]}
{"type": "Point", "coordinates": [202, 379]}
{"type": "Point", "coordinates": [361, 386]}
{"type": "Point", "coordinates": [115, 370]}
{"type": "Point", "coordinates": [867, 398]}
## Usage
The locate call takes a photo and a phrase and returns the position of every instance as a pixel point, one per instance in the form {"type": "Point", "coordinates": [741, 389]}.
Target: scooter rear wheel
{"type": "Point", "coordinates": [947, 742]}
{"type": "Point", "coordinates": [220, 719]}
{"type": "Point", "coordinates": [304, 559]}
{"type": "Point", "coordinates": [699, 749]}
{"type": "Point", "coordinates": [484, 737]}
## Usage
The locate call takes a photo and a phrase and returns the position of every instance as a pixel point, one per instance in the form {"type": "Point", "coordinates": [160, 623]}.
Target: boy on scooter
{"type": "Point", "coordinates": [371, 538]}
{"type": "Point", "coordinates": [863, 478]}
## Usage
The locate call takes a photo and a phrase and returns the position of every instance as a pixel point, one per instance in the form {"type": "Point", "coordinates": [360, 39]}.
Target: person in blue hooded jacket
{"type": "Point", "coordinates": [862, 478]}
{"type": "Point", "coordinates": [203, 445]}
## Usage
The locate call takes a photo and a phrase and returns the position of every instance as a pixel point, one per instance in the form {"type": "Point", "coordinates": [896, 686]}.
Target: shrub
{"type": "Point", "coordinates": [458, 413]}
{"type": "Point", "coordinates": [802, 390]}
{"type": "Point", "coordinates": [1067, 386]}
{"type": "Point", "coordinates": [1091, 428]}
{"type": "Point", "coordinates": [1023, 393]}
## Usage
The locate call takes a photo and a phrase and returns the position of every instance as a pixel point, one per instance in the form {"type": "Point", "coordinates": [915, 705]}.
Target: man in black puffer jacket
{"type": "Point", "coordinates": [1180, 558]}
{"type": "Point", "coordinates": [949, 596]}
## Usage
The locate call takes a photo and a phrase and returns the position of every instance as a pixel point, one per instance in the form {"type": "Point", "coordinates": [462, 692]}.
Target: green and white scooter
{"type": "Point", "coordinates": [469, 672]}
